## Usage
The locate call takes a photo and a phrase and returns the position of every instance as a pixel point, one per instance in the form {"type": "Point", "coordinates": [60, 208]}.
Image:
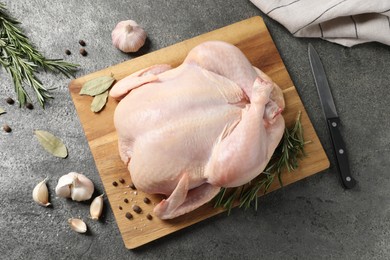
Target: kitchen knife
{"type": "Point", "coordinates": [332, 118]}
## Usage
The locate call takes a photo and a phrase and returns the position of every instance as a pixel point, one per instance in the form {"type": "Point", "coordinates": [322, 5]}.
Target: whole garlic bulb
{"type": "Point", "coordinates": [128, 36]}
{"type": "Point", "coordinates": [76, 186]}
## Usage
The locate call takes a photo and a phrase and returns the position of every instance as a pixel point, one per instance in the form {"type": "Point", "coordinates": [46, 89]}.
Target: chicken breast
{"type": "Point", "coordinates": [212, 122]}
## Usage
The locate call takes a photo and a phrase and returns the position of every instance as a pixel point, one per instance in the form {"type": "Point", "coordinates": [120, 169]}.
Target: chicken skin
{"type": "Point", "coordinates": [214, 121]}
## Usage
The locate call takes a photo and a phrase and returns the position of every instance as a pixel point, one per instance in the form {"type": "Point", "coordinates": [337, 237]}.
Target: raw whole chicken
{"type": "Point", "coordinates": [212, 122]}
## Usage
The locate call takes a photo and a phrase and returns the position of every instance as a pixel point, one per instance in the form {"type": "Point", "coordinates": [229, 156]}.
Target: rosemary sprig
{"type": "Point", "coordinates": [22, 60]}
{"type": "Point", "coordinates": [286, 156]}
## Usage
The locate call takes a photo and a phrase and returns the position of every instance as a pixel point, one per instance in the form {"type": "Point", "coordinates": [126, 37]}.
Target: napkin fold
{"type": "Point", "coordinates": [346, 22]}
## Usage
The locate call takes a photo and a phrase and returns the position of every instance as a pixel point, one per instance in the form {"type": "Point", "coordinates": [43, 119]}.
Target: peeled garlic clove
{"type": "Point", "coordinates": [128, 36]}
{"type": "Point", "coordinates": [77, 225]}
{"type": "Point", "coordinates": [63, 185]}
{"type": "Point", "coordinates": [82, 188]}
{"type": "Point", "coordinates": [41, 194]}
{"type": "Point", "coordinates": [96, 207]}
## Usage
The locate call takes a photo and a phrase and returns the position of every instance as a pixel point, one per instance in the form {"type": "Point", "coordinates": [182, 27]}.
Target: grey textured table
{"type": "Point", "coordinates": [313, 219]}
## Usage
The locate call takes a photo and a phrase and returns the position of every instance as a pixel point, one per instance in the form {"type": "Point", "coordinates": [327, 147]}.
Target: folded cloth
{"type": "Point", "coordinates": [346, 22]}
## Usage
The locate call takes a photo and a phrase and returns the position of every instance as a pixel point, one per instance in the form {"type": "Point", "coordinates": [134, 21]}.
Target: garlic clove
{"type": "Point", "coordinates": [76, 186]}
{"type": "Point", "coordinates": [128, 36]}
{"type": "Point", "coordinates": [77, 225]}
{"type": "Point", "coordinates": [82, 188]}
{"type": "Point", "coordinates": [63, 185]}
{"type": "Point", "coordinates": [41, 194]}
{"type": "Point", "coordinates": [96, 207]}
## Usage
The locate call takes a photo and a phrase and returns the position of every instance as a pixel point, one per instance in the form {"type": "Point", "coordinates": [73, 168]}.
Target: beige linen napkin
{"type": "Point", "coordinates": [346, 22]}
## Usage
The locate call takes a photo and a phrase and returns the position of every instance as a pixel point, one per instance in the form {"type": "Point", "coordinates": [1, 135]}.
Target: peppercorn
{"type": "Point", "coordinates": [146, 200]}
{"type": "Point", "coordinates": [120, 208]}
{"type": "Point", "coordinates": [137, 209]}
{"type": "Point", "coordinates": [150, 217]}
{"type": "Point", "coordinates": [67, 52]}
{"type": "Point", "coordinates": [115, 183]}
{"type": "Point", "coordinates": [29, 105]}
{"type": "Point", "coordinates": [7, 128]}
{"type": "Point", "coordinates": [10, 101]}
{"type": "Point", "coordinates": [126, 200]}
{"type": "Point", "coordinates": [82, 43]}
{"type": "Point", "coordinates": [121, 180]}
{"type": "Point", "coordinates": [128, 215]}
{"type": "Point", "coordinates": [132, 186]}
{"type": "Point", "coordinates": [83, 52]}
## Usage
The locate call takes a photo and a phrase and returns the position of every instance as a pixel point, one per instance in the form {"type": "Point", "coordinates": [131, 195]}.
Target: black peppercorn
{"type": "Point", "coordinates": [120, 208]}
{"type": "Point", "coordinates": [128, 215]}
{"type": "Point", "coordinates": [146, 200]}
{"type": "Point", "coordinates": [82, 43]}
{"type": "Point", "coordinates": [115, 183]}
{"type": "Point", "coordinates": [10, 101]}
{"type": "Point", "coordinates": [121, 180]}
{"type": "Point", "coordinates": [137, 209]}
{"type": "Point", "coordinates": [29, 106]}
{"type": "Point", "coordinates": [67, 52]}
{"type": "Point", "coordinates": [126, 200]}
{"type": "Point", "coordinates": [132, 186]}
{"type": "Point", "coordinates": [83, 52]}
{"type": "Point", "coordinates": [150, 217]}
{"type": "Point", "coordinates": [7, 128]}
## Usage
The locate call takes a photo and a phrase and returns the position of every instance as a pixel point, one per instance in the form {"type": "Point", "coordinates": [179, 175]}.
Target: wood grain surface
{"type": "Point", "coordinates": [253, 38]}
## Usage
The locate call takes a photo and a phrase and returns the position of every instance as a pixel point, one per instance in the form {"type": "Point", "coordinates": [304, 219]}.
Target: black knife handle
{"type": "Point", "coordinates": [341, 153]}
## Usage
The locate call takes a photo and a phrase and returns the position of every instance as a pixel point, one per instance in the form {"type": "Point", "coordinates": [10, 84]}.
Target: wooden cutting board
{"type": "Point", "coordinates": [253, 38]}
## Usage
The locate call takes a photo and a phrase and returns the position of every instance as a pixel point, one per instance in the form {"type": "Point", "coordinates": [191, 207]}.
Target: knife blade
{"type": "Point", "coordinates": [332, 118]}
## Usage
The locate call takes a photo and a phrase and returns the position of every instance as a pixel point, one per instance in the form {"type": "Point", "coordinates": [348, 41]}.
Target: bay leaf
{"type": "Point", "coordinates": [96, 86]}
{"type": "Point", "coordinates": [51, 143]}
{"type": "Point", "coordinates": [99, 102]}
{"type": "Point", "coordinates": [2, 111]}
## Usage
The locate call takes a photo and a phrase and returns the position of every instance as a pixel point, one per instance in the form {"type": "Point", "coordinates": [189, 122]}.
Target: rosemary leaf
{"type": "Point", "coordinates": [22, 60]}
{"type": "Point", "coordinates": [219, 197]}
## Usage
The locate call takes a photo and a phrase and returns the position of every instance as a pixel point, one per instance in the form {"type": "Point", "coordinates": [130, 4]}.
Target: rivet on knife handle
{"type": "Point", "coordinates": [341, 153]}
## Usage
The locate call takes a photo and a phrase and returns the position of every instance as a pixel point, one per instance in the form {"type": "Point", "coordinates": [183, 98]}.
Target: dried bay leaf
{"type": "Point", "coordinates": [51, 143]}
{"type": "Point", "coordinates": [99, 102]}
{"type": "Point", "coordinates": [97, 86]}
{"type": "Point", "coordinates": [2, 111]}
